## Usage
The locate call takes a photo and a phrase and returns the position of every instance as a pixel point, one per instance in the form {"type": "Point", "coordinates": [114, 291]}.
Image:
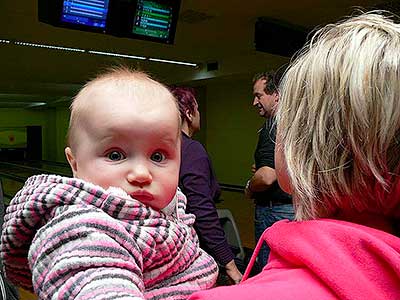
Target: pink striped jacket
{"type": "Point", "coordinates": [69, 239]}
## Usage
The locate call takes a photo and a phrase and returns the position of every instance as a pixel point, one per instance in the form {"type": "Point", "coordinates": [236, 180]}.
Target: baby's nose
{"type": "Point", "coordinates": [139, 175]}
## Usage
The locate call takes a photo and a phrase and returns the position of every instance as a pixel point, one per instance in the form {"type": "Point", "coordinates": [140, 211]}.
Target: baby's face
{"type": "Point", "coordinates": [133, 144]}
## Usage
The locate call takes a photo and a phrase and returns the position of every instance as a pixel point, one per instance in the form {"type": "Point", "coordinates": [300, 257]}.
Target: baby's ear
{"type": "Point", "coordinates": [71, 159]}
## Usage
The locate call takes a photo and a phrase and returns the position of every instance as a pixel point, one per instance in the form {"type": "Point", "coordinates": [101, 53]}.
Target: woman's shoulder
{"type": "Point", "coordinates": [193, 148]}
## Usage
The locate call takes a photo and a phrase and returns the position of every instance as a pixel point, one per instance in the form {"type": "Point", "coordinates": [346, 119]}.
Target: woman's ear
{"type": "Point", "coordinates": [71, 160]}
{"type": "Point", "coordinates": [188, 115]}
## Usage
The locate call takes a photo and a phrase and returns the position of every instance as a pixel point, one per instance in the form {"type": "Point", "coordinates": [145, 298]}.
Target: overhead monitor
{"type": "Point", "coordinates": [155, 20]}
{"type": "Point", "coordinates": [152, 20]}
{"type": "Point", "coordinates": [90, 13]}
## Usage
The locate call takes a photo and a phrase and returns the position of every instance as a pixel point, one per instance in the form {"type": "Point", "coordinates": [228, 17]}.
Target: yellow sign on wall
{"type": "Point", "coordinates": [13, 137]}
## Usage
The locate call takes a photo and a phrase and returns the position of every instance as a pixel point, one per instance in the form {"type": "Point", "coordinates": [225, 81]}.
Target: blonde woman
{"type": "Point", "coordinates": [338, 154]}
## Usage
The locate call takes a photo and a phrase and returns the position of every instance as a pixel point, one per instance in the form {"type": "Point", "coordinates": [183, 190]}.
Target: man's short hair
{"type": "Point", "coordinates": [272, 80]}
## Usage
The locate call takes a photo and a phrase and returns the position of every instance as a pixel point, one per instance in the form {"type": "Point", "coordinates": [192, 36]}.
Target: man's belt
{"type": "Point", "coordinates": [271, 203]}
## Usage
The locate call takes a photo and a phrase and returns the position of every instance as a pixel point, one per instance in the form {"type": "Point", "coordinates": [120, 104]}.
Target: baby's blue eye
{"type": "Point", "coordinates": [157, 157]}
{"type": "Point", "coordinates": [115, 156]}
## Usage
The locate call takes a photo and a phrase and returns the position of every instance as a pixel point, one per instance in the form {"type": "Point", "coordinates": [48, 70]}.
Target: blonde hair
{"type": "Point", "coordinates": [339, 119]}
{"type": "Point", "coordinates": [120, 78]}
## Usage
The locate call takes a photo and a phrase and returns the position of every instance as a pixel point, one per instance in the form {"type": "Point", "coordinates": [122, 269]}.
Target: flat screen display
{"type": "Point", "coordinates": [150, 20]}
{"type": "Point", "coordinates": [155, 19]}
{"type": "Point", "coordinates": [91, 13]}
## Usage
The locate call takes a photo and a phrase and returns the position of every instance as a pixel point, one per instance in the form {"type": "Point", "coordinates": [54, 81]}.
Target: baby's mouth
{"type": "Point", "coordinates": [142, 196]}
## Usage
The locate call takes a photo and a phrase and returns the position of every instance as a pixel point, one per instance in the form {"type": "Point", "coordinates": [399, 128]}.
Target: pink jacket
{"type": "Point", "coordinates": [318, 260]}
{"type": "Point", "coordinates": [82, 242]}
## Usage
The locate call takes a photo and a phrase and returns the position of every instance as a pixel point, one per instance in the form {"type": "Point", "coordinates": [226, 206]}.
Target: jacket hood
{"type": "Point", "coordinates": [320, 260]}
{"type": "Point", "coordinates": [351, 260]}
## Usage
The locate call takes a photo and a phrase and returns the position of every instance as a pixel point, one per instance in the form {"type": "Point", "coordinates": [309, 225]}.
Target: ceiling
{"type": "Point", "coordinates": [208, 31]}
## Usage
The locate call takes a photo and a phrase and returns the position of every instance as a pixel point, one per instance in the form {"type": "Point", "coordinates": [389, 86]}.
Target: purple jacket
{"type": "Point", "coordinates": [197, 181]}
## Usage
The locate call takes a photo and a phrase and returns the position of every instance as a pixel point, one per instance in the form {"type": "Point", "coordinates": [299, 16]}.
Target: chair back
{"type": "Point", "coordinates": [231, 232]}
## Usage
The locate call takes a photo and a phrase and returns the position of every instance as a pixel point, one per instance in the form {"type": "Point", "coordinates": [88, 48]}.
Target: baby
{"type": "Point", "coordinates": [118, 229]}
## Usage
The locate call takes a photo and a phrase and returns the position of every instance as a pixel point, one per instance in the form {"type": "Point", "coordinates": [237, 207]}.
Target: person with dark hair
{"type": "Point", "coordinates": [271, 203]}
{"type": "Point", "coordinates": [198, 182]}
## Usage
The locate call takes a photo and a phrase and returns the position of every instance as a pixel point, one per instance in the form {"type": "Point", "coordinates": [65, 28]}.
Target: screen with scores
{"type": "Point", "coordinates": [154, 19]}
{"type": "Point", "coordinates": [151, 20]}
{"type": "Point", "coordinates": [91, 13]}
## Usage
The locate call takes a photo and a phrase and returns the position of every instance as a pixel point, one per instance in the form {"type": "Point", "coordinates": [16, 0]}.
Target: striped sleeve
{"type": "Point", "coordinates": [84, 254]}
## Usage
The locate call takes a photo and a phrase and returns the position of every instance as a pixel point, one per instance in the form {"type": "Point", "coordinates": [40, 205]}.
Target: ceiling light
{"type": "Point", "coordinates": [48, 46]}
{"type": "Point", "coordinates": [116, 54]}
{"type": "Point", "coordinates": [54, 47]}
{"type": "Point", "coordinates": [36, 104]}
{"type": "Point", "coordinates": [21, 104]}
{"type": "Point", "coordinates": [173, 62]}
